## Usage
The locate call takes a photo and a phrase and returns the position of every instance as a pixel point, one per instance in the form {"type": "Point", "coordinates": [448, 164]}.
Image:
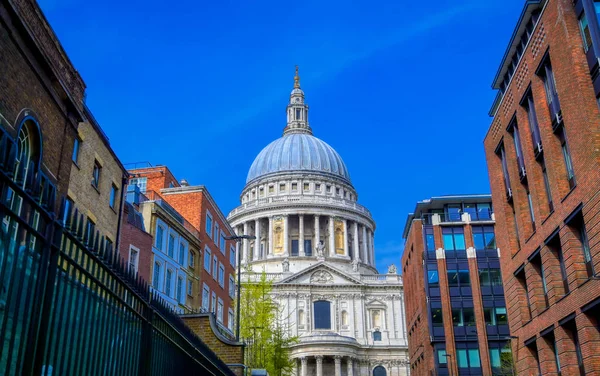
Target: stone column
{"type": "Point", "coordinates": [301, 235]}
{"type": "Point", "coordinates": [319, 365]}
{"type": "Point", "coordinates": [350, 364]}
{"type": "Point", "coordinates": [270, 246]}
{"type": "Point", "coordinates": [303, 366]}
{"type": "Point", "coordinates": [364, 245]}
{"type": "Point", "coordinates": [356, 251]}
{"type": "Point", "coordinates": [317, 235]}
{"type": "Point", "coordinates": [338, 365]}
{"type": "Point", "coordinates": [245, 245]}
{"type": "Point", "coordinates": [345, 237]}
{"type": "Point", "coordinates": [372, 247]}
{"type": "Point", "coordinates": [331, 237]}
{"type": "Point", "coordinates": [286, 235]}
{"type": "Point", "coordinates": [257, 241]}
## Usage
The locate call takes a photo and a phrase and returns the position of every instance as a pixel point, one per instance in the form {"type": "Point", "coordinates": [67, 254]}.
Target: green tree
{"type": "Point", "coordinates": [263, 328]}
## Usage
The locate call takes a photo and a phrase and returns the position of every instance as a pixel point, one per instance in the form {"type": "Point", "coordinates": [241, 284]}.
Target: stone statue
{"type": "Point", "coordinates": [392, 269]}
{"type": "Point", "coordinates": [286, 265]}
{"type": "Point", "coordinates": [355, 263]}
{"type": "Point", "coordinates": [320, 249]}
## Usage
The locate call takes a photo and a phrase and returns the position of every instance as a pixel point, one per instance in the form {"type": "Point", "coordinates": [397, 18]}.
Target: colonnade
{"type": "Point", "coordinates": [319, 365]}
{"type": "Point", "coordinates": [300, 235]}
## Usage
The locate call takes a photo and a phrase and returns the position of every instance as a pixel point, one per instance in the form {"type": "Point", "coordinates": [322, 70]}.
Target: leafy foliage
{"type": "Point", "coordinates": [264, 329]}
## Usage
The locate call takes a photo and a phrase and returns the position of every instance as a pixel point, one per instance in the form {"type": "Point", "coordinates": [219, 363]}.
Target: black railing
{"type": "Point", "coordinates": [69, 305]}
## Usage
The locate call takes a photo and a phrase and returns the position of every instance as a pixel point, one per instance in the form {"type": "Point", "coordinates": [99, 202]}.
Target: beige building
{"type": "Point", "coordinates": [97, 179]}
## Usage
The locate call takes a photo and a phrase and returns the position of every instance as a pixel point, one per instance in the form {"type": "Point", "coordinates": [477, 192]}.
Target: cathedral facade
{"type": "Point", "coordinates": [316, 243]}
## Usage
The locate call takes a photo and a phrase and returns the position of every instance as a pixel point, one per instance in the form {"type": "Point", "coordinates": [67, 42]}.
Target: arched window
{"type": "Point", "coordinates": [344, 318]}
{"type": "Point", "coordinates": [29, 148]}
{"type": "Point", "coordinates": [379, 371]}
{"type": "Point", "coordinates": [322, 314]}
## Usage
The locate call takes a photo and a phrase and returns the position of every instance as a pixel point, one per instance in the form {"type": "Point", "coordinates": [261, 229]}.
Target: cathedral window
{"type": "Point", "coordinates": [262, 191]}
{"type": "Point", "coordinates": [294, 186]}
{"type": "Point", "coordinates": [306, 186]}
{"type": "Point", "coordinates": [322, 314]}
{"type": "Point", "coordinates": [318, 187]}
{"type": "Point", "coordinates": [297, 114]}
{"type": "Point", "coordinates": [282, 187]}
{"type": "Point", "coordinates": [271, 188]}
{"type": "Point", "coordinates": [344, 319]}
{"type": "Point", "coordinates": [377, 335]}
{"type": "Point", "coordinates": [329, 189]}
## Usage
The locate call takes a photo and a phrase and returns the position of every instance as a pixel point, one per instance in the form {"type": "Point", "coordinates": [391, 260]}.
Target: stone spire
{"type": "Point", "coordinates": [297, 110]}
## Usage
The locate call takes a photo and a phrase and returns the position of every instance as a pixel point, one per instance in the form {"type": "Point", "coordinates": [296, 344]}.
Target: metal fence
{"type": "Point", "coordinates": [69, 305]}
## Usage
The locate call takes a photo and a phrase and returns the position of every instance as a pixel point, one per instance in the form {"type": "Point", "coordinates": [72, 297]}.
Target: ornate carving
{"type": "Point", "coordinates": [286, 265]}
{"type": "Point", "coordinates": [392, 269]}
{"type": "Point", "coordinates": [320, 249]}
{"type": "Point", "coordinates": [321, 276]}
{"type": "Point", "coordinates": [355, 263]}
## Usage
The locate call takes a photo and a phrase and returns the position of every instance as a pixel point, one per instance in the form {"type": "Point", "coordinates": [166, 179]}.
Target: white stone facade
{"type": "Point", "coordinates": [317, 244]}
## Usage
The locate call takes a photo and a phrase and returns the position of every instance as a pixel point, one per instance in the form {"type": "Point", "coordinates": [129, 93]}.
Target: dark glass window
{"type": "Point", "coordinates": [307, 247]}
{"type": "Point", "coordinates": [562, 136]}
{"type": "Point", "coordinates": [322, 309]}
{"type": "Point", "coordinates": [530, 204]}
{"type": "Point", "coordinates": [458, 278]}
{"type": "Point", "coordinates": [436, 317]}
{"type": "Point", "coordinates": [585, 32]}
{"type": "Point", "coordinates": [433, 278]}
{"type": "Point", "coordinates": [551, 93]}
{"type": "Point", "coordinates": [453, 212]}
{"type": "Point", "coordinates": [490, 277]}
{"type": "Point", "coordinates": [294, 247]}
{"type": "Point", "coordinates": [376, 335]}
{"type": "Point", "coordinates": [502, 154]}
{"type": "Point", "coordinates": [468, 358]}
{"type": "Point", "coordinates": [495, 316]}
{"type": "Point", "coordinates": [454, 238]}
{"type": "Point", "coordinates": [547, 187]}
{"type": "Point", "coordinates": [518, 148]}
{"type": "Point", "coordinates": [484, 237]}
{"type": "Point", "coordinates": [463, 317]}
{"type": "Point", "coordinates": [533, 124]}
{"type": "Point", "coordinates": [429, 239]}
{"type": "Point", "coordinates": [75, 156]}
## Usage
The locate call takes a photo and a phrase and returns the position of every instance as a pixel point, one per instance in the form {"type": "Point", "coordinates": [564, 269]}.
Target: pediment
{"type": "Point", "coordinates": [321, 274]}
{"type": "Point", "coordinates": [375, 303]}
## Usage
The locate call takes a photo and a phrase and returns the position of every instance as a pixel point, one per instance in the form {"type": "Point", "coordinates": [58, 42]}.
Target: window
{"type": "Point", "coordinates": [454, 238]}
{"type": "Point", "coordinates": [205, 298]}
{"type": "Point", "coordinates": [551, 340]}
{"type": "Point", "coordinates": [294, 186]}
{"type": "Point", "coordinates": [551, 93]}
{"type": "Point", "coordinates": [179, 290]}
{"type": "Point", "coordinates": [533, 123]}
{"type": "Point", "coordinates": [156, 281]}
{"type": "Point", "coordinates": [441, 357]}
{"type": "Point", "coordinates": [429, 239]}
{"type": "Point", "coordinates": [562, 136]}
{"type": "Point", "coordinates": [585, 32]}
{"type": "Point", "coordinates": [571, 330]}
{"type": "Point", "coordinates": [536, 262]}
{"type": "Point", "coordinates": [502, 154]}
{"type": "Point", "coordinates": [171, 247]}
{"type": "Point", "coordinates": [69, 205]}
{"type": "Point", "coordinates": [160, 232]}
{"type": "Point", "coordinates": [232, 256]}
{"type": "Point", "coordinates": [547, 186]}
{"type": "Point", "coordinates": [458, 278]}
{"type": "Point", "coordinates": [190, 288]}
{"type": "Point", "coordinates": [90, 230]}
{"type": "Point", "coordinates": [437, 317]}
{"type": "Point", "coordinates": [168, 282]}
{"type": "Point", "coordinates": [231, 287]}
{"type": "Point", "coordinates": [230, 319]}
{"type": "Point", "coordinates": [297, 114]}
{"type": "Point", "coordinates": [207, 260]}
{"type": "Point", "coordinates": [113, 196]}
{"type": "Point", "coordinates": [216, 234]}
{"type": "Point", "coordinates": [490, 277]}
{"type": "Point", "coordinates": [578, 226]}
{"type": "Point", "coordinates": [192, 262]}
{"type": "Point", "coordinates": [329, 189]}
{"type": "Point", "coordinates": [556, 249]}
{"type": "Point", "coordinates": [433, 278]}
{"type": "Point", "coordinates": [96, 174]}
{"type": "Point", "coordinates": [495, 316]}
{"type": "Point", "coordinates": [531, 214]}
{"type": "Point", "coordinates": [75, 156]}
{"type": "Point", "coordinates": [518, 149]}
{"type": "Point", "coordinates": [221, 275]}
{"type": "Point", "coordinates": [215, 267]}
{"type": "Point", "coordinates": [133, 258]}
{"type": "Point", "coordinates": [377, 335]}
{"type": "Point", "coordinates": [463, 317]}
{"type": "Point", "coordinates": [271, 189]}
{"type": "Point", "coordinates": [484, 237]}
{"type": "Point", "coordinates": [223, 242]}
{"type": "Point", "coordinates": [261, 191]}
{"type": "Point", "coordinates": [182, 253]}
{"type": "Point", "coordinates": [453, 212]}
{"type": "Point", "coordinates": [209, 226]}
{"type": "Point", "coordinates": [282, 187]}
{"type": "Point", "coordinates": [501, 357]}
{"type": "Point", "coordinates": [140, 183]}
{"type": "Point", "coordinates": [213, 303]}
{"type": "Point", "coordinates": [306, 187]}
{"type": "Point", "coordinates": [322, 313]}
{"type": "Point", "coordinates": [220, 310]}
{"type": "Point", "coordinates": [318, 187]}
{"type": "Point", "coordinates": [468, 358]}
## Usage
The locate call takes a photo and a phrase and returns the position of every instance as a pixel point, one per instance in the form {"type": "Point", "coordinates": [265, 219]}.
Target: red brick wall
{"type": "Point", "coordinates": [581, 121]}
{"type": "Point", "coordinates": [131, 235]}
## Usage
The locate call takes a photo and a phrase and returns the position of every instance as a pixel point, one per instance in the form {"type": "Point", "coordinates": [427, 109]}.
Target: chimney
{"type": "Point", "coordinates": [184, 183]}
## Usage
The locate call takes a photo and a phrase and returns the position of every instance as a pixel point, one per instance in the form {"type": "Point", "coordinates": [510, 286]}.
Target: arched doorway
{"type": "Point", "coordinates": [379, 371]}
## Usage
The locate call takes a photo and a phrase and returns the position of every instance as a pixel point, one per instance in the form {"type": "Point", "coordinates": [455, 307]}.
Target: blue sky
{"type": "Point", "coordinates": [400, 89]}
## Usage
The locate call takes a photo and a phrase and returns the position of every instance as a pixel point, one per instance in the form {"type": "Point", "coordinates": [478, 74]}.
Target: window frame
{"type": "Point", "coordinates": [205, 302]}
{"type": "Point", "coordinates": [112, 198]}
{"type": "Point", "coordinates": [76, 150]}
{"type": "Point", "coordinates": [207, 258]}
{"type": "Point", "coordinates": [137, 259]}
{"type": "Point", "coordinates": [221, 276]}
{"type": "Point", "coordinates": [208, 228]}
{"type": "Point", "coordinates": [96, 174]}
{"type": "Point", "coordinates": [322, 320]}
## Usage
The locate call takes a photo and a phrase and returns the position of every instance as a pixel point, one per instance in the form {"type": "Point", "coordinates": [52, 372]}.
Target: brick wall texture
{"type": "Point", "coordinates": [517, 237]}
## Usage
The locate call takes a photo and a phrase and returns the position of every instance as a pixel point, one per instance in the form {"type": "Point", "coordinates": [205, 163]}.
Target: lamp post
{"type": "Point", "coordinates": [238, 239]}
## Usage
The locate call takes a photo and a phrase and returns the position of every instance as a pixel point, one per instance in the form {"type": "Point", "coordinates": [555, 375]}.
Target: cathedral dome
{"type": "Point", "coordinates": [301, 152]}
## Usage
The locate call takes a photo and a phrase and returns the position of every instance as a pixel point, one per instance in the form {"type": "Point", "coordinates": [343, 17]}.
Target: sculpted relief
{"type": "Point", "coordinates": [321, 276]}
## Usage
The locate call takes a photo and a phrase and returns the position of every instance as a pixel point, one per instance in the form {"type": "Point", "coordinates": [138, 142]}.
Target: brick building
{"type": "Point", "coordinates": [97, 180]}
{"type": "Point", "coordinates": [455, 309]}
{"type": "Point", "coordinates": [543, 154]}
{"type": "Point", "coordinates": [217, 256]}
{"type": "Point", "coordinates": [135, 244]}
{"type": "Point", "coordinates": [41, 93]}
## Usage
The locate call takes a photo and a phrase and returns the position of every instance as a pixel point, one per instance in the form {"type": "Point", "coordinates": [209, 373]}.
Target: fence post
{"type": "Point", "coordinates": [36, 345]}
{"type": "Point", "coordinates": [145, 366]}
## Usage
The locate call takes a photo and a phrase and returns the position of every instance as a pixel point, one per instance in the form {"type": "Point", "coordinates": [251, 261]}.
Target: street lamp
{"type": "Point", "coordinates": [238, 239]}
